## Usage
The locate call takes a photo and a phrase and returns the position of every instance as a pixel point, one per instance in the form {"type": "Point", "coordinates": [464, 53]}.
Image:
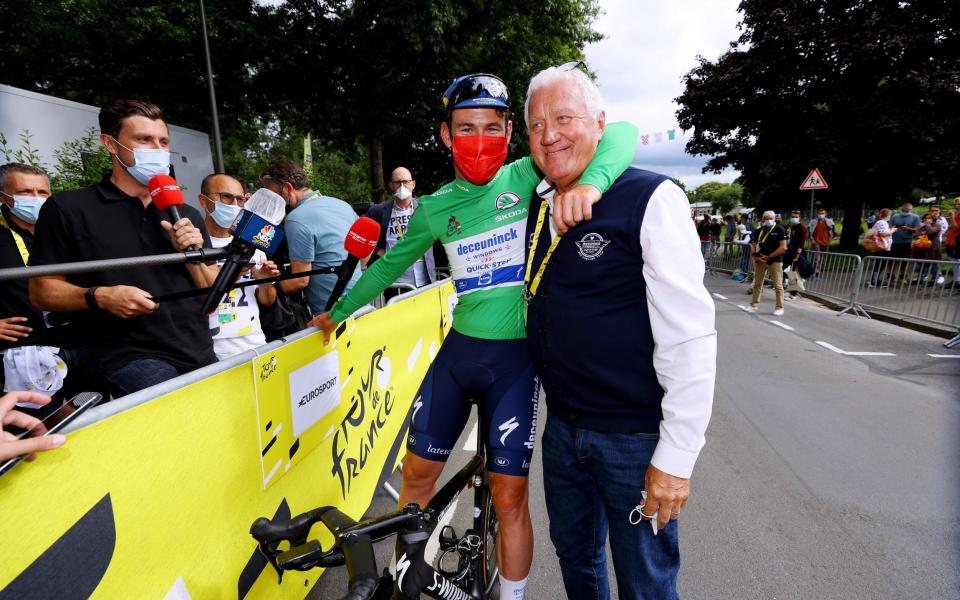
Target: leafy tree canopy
{"type": "Point", "coordinates": [866, 90]}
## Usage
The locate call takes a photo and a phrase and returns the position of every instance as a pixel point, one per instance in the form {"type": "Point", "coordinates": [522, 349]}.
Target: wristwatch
{"type": "Point", "coordinates": [91, 298]}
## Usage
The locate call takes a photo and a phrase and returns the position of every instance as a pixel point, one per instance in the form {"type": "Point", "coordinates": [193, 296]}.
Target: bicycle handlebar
{"type": "Point", "coordinates": [354, 541]}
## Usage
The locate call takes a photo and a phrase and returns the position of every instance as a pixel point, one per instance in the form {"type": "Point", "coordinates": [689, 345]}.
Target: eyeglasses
{"type": "Point", "coordinates": [225, 198]}
{"type": "Point", "coordinates": [402, 181]}
{"type": "Point", "coordinates": [573, 64]}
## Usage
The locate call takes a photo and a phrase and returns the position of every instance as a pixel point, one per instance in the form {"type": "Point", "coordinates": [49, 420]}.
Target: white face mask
{"type": "Point", "coordinates": [147, 162]}
{"type": "Point", "coordinates": [403, 192]}
{"type": "Point", "coordinates": [768, 222]}
{"type": "Point", "coordinates": [27, 207]}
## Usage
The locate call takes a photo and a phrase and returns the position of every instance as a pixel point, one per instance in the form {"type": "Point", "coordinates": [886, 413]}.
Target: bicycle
{"type": "Point", "coordinates": [466, 567]}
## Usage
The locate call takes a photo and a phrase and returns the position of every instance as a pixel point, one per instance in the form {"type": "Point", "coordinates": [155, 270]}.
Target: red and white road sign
{"type": "Point", "coordinates": [814, 181]}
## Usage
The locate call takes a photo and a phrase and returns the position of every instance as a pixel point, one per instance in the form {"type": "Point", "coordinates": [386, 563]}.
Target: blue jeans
{"type": "Point", "coordinates": [592, 481]}
{"type": "Point", "coordinates": [139, 374]}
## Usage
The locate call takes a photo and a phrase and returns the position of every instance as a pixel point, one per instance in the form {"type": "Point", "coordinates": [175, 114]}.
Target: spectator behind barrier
{"type": "Point", "coordinates": [393, 216]}
{"type": "Point", "coordinates": [31, 361]}
{"type": "Point", "coordinates": [135, 341]}
{"type": "Point", "coordinates": [316, 227]}
{"type": "Point", "coordinates": [10, 446]}
{"type": "Point", "coordinates": [236, 323]}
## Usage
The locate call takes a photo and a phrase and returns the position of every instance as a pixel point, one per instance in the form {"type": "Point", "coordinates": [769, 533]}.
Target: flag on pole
{"type": "Point", "coordinates": [658, 136]}
{"type": "Point", "coordinates": [671, 133]}
{"type": "Point", "coordinates": [645, 139]}
{"type": "Point", "coordinates": [307, 155]}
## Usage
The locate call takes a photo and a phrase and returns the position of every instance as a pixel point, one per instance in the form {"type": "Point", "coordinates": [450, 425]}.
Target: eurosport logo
{"type": "Point", "coordinates": [591, 246]}
{"type": "Point", "coordinates": [507, 200]}
{"type": "Point", "coordinates": [502, 461]}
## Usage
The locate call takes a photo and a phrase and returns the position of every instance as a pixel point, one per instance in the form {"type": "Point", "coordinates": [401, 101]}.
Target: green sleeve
{"type": "Point", "coordinates": [415, 243]}
{"type": "Point", "coordinates": [614, 154]}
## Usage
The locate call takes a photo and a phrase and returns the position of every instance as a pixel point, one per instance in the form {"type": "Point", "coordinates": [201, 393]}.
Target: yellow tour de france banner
{"type": "Point", "coordinates": [157, 501]}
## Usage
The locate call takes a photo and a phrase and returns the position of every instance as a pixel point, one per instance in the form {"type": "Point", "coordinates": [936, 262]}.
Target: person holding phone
{"type": "Point", "coordinates": [10, 445]}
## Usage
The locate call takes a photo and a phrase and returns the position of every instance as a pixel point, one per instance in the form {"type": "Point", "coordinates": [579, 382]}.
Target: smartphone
{"type": "Point", "coordinates": [63, 416]}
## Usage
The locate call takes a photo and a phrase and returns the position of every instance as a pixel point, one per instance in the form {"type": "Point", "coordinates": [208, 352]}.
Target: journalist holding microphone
{"type": "Point", "coordinates": [135, 341]}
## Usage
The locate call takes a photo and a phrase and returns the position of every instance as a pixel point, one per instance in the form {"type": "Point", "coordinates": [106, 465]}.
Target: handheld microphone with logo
{"type": "Point", "coordinates": [359, 244]}
{"type": "Point", "coordinates": [167, 196]}
{"type": "Point", "coordinates": [257, 228]}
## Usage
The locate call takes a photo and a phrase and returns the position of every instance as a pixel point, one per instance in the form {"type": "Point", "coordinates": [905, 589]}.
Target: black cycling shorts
{"type": "Point", "coordinates": [498, 374]}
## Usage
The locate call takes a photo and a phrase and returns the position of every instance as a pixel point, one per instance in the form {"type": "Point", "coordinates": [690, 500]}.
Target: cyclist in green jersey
{"type": "Point", "coordinates": [480, 218]}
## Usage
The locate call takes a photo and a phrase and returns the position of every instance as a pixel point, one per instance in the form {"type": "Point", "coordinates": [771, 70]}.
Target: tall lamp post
{"type": "Point", "coordinates": [218, 148]}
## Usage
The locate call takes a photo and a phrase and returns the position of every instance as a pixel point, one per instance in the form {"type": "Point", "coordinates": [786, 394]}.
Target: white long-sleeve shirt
{"type": "Point", "coordinates": [682, 321]}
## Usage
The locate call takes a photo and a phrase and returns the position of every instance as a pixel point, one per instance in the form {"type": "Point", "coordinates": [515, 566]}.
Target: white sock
{"type": "Point", "coordinates": [512, 590]}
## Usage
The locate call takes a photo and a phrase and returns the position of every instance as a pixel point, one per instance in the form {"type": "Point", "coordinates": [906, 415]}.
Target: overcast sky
{"type": "Point", "coordinates": [649, 46]}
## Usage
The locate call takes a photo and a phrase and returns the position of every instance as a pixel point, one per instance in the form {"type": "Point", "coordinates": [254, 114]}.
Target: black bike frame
{"type": "Point", "coordinates": [354, 543]}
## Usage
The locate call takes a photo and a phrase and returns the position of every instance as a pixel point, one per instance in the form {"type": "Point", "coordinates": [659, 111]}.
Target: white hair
{"type": "Point", "coordinates": [575, 79]}
{"type": "Point", "coordinates": [769, 212]}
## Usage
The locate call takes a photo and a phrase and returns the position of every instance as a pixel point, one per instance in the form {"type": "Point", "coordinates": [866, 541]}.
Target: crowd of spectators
{"type": "Point", "coordinates": [105, 331]}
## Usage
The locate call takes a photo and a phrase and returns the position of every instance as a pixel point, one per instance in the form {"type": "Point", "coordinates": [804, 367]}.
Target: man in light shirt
{"type": "Point", "coordinates": [393, 216]}
{"type": "Point", "coordinates": [621, 333]}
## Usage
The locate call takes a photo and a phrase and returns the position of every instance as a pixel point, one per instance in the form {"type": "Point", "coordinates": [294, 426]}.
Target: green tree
{"type": "Point", "coordinates": [865, 90]}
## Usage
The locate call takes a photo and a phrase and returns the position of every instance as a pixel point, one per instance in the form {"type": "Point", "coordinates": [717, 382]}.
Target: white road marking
{"type": "Point", "coordinates": [743, 308]}
{"type": "Point", "coordinates": [944, 355]}
{"type": "Point", "coordinates": [719, 296]}
{"type": "Point", "coordinates": [782, 325]}
{"type": "Point", "coordinates": [848, 353]}
{"type": "Point", "coordinates": [471, 444]}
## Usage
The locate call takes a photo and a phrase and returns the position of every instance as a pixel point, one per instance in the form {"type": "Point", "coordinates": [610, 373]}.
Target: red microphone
{"type": "Point", "coordinates": [359, 244]}
{"type": "Point", "coordinates": [167, 196]}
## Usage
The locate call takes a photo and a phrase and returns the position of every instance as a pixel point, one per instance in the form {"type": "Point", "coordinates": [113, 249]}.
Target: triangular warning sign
{"type": "Point", "coordinates": [814, 181]}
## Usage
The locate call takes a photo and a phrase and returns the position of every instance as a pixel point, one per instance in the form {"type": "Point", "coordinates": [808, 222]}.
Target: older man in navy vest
{"type": "Point", "coordinates": [621, 331]}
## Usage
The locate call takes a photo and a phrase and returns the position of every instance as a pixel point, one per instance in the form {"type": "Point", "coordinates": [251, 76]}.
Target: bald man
{"type": "Point", "coordinates": [236, 324]}
{"type": "Point", "coordinates": [393, 216]}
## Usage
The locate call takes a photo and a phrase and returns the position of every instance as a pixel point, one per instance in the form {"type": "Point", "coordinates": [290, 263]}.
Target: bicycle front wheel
{"type": "Point", "coordinates": [488, 551]}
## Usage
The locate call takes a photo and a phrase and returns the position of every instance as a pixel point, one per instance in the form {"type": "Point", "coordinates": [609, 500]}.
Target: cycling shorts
{"type": "Point", "coordinates": [499, 376]}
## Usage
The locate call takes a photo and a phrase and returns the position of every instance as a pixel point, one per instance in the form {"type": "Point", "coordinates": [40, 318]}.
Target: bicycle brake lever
{"type": "Point", "coordinates": [269, 551]}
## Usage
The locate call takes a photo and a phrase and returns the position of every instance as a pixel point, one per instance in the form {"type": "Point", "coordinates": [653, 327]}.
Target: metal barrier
{"type": "Point", "coordinates": [901, 287]}
{"type": "Point", "coordinates": [910, 288]}
{"type": "Point", "coordinates": [727, 257]}
{"type": "Point", "coordinates": [838, 275]}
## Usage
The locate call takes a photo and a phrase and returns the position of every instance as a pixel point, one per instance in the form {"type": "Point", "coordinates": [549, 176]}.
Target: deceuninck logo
{"type": "Point", "coordinates": [591, 246]}
{"type": "Point", "coordinates": [507, 200]}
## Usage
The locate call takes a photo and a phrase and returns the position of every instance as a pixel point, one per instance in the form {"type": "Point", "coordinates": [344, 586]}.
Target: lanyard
{"type": "Point", "coordinates": [24, 253]}
{"type": "Point", "coordinates": [311, 196]}
{"type": "Point", "coordinates": [532, 287]}
{"type": "Point", "coordinates": [763, 237]}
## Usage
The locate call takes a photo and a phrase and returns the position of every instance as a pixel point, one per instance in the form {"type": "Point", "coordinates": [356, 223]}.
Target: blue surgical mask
{"type": "Point", "coordinates": [148, 162]}
{"type": "Point", "coordinates": [26, 207]}
{"type": "Point", "coordinates": [768, 223]}
{"type": "Point", "coordinates": [224, 214]}
{"type": "Point", "coordinates": [794, 220]}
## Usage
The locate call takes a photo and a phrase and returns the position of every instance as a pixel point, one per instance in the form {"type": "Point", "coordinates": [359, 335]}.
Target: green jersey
{"type": "Point", "coordinates": [482, 229]}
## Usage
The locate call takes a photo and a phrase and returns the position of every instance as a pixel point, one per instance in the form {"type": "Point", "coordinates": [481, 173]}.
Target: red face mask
{"type": "Point", "coordinates": [478, 157]}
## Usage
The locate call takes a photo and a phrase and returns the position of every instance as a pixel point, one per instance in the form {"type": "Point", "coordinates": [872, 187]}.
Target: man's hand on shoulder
{"type": "Point", "coordinates": [573, 206]}
{"type": "Point", "coordinates": [666, 495]}
{"type": "Point", "coordinates": [183, 234]}
{"type": "Point", "coordinates": [125, 301]}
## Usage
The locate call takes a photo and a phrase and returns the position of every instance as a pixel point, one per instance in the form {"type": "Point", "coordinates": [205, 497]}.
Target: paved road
{"type": "Point", "coordinates": [825, 475]}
